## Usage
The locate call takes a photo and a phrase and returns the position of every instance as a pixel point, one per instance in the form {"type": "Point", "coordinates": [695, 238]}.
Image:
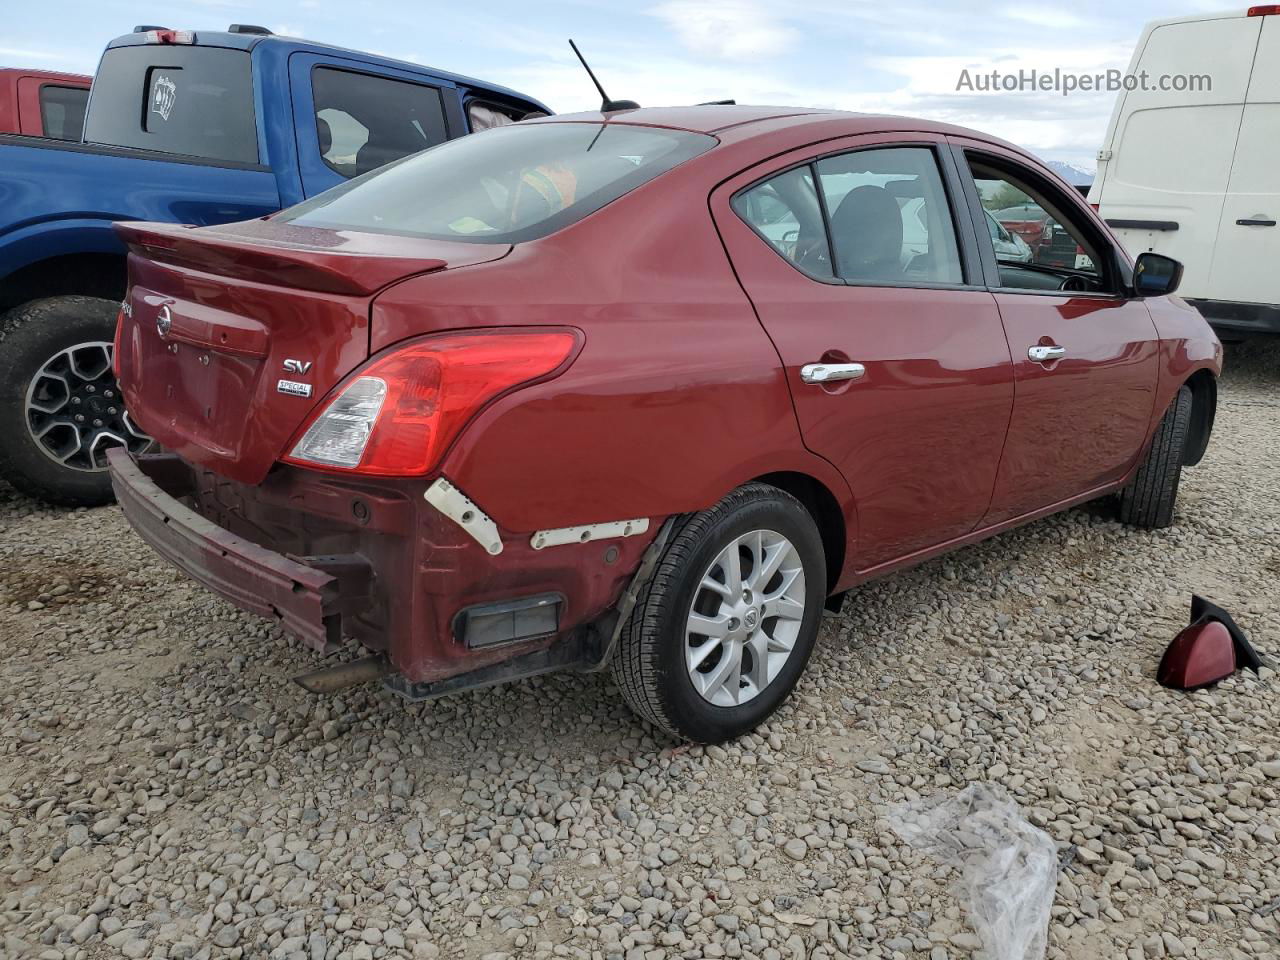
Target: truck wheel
{"type": "Point", "coordinates": [1149, 498]}
{"type": "Point", "coordinates": [724, 628]}
{"type": "Point", "coordinates": [60, 407]}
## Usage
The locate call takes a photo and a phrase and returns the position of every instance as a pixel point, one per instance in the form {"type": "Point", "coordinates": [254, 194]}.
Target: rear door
{"type": "Point", "coordinates": [1171, 150]}
{"type": "Point", "coordinates": [894, 352]}
{"type": "Point", "coordinates": [1085, 358]}
{"type": "Point", "coordinates": [350, 119]}
{"type": "Point", "coordinates": [1248, 237]}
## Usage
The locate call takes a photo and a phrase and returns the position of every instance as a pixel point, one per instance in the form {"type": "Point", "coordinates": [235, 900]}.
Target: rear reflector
{"type": "Point", "coordinates": [398, 414]}
{"type": "Point", "coordinates": [1268, 11]}
{"type": "Point", "coordinates": [513, 621]}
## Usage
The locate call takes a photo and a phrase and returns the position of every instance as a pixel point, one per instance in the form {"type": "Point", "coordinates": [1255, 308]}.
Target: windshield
{"type": "Point", "coordinates": [505, 185]}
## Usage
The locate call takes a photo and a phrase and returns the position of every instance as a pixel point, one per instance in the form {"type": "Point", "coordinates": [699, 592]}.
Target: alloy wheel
{"type": "Point", "coordinates": [75, 412]}
{"type": "Point", "coordinates": [745, 618]}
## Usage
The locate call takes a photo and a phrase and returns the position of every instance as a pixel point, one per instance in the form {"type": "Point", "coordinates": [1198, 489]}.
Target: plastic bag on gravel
{"type": "Point", "coordinates": [1009, 869]}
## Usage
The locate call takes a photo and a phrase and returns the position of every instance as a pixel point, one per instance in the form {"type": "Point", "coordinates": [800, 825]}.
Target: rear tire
{"type": "Point", "coordinates": [1149, 499]}
{"type": "Point", "coordinates": [55, 366]}
{"type": "Point", "coordinates": [763, 617]}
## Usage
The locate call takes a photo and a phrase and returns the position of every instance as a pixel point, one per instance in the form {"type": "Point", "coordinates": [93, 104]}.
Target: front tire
{"type": "Point", "coordinates": [1149, 499]}
{"type": "Point", "coordinates": [60, 406]}
{"type": "Point", "coordinates": [725, 626]}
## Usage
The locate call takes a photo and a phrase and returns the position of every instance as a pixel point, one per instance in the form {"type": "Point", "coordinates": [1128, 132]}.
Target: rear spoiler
{"type": "Point", "coordinates": [281, 255]}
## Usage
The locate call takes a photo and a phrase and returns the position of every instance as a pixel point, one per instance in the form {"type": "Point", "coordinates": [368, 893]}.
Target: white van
{"type": "Point", "coordinates": [1193, 173]}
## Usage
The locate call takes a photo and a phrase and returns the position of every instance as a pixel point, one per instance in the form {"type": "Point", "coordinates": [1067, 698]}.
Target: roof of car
{"type": "Point", "coordinates": [750, 121]}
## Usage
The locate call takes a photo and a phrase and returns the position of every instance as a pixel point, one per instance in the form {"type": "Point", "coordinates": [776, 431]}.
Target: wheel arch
{"type": "Point", "coordinates": [824, 507]}
{"type": "Point", "coordinates": [1204, 408]}
{"type": "Point", "coordinates": [88, 274]}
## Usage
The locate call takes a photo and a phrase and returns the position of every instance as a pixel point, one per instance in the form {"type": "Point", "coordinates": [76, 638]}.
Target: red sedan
{"type": "Point", "coordinates": [644, 391]}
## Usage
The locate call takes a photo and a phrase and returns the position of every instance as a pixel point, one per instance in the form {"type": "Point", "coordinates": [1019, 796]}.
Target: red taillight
{"type": "Point", "coordinates": [1268, 11]}
{"type": "Point", "coordinates": [397, 415]}
{"type": "Point", "coordinates": [1095, 206]}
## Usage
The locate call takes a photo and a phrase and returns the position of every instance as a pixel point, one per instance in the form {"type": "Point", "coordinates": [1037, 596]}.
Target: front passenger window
{"type": "Point", "coordinates": [1040, 245]}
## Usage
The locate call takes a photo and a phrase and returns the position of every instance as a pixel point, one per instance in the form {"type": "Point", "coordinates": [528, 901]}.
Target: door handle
{"type": "Point", "coordinates": [1261, 220]}
{"type": "Point", "coordinates": [1042, 354]}
{"type": "Point", "coordinates": [831, 372]}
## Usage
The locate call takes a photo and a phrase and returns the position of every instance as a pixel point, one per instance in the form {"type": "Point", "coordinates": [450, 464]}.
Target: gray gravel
{"type": "Point", "coordinates": [166, 792]}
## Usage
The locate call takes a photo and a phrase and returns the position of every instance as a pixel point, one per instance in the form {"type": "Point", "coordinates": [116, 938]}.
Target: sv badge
{"type": "Point", "coordinates": [297, 366]}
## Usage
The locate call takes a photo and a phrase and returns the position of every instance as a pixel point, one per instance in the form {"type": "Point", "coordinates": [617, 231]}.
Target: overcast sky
{"type": "Point", "coordinates": [873, 55]}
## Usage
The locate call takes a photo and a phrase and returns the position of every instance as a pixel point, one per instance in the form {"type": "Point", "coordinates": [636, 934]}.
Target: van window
{"type": "Point", "coordinates": [62, 111]}
{"type": "Point", "coordinates": [364, 122]}
{"type": "Point", "coordinates": [505, 185]}
{"type": "Point", "coordinates": [185, 100]}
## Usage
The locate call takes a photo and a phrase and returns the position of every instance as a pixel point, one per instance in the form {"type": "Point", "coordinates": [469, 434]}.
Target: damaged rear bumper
{"type": "Point", "coordinates": [309, 595]}
{"type": "Point", "coordinates": [333, 559]}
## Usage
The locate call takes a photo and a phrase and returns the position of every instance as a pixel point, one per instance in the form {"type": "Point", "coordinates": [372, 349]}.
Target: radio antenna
{"type": "Point", "coordinates": [606, 105]}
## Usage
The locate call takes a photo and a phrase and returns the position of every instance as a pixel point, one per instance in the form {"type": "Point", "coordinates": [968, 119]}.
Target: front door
{"type": "Point", "coordinates": [894, 353]}
{"type": "Point", "coordinates": [1085, 355]}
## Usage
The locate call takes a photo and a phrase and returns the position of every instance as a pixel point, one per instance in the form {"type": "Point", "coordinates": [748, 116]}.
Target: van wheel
{"type": "Point", "coordinates": [60, 406]}
{"type": "Point", "coordinates": [724, 627]}
{"type": "Point", "coordinates": [1149, 498]}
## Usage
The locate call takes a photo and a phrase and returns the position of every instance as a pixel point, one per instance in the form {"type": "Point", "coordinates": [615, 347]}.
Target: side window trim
{"type": "Point", "coordinates": [953, 186]}
{"type": "Point", "coordinates": [990, 266]}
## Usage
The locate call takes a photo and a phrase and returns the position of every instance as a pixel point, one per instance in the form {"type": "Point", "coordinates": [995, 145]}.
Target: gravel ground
{"type": "Point", "coordinates": [165, 792]}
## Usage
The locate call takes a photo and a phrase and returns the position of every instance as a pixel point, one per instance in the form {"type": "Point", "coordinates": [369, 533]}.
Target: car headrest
{"type": "Point", "coordinates": [867, 232]}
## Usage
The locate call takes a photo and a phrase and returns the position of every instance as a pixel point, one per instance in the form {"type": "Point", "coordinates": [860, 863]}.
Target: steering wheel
{"type": "Point", "coordinates": [1074, 284]}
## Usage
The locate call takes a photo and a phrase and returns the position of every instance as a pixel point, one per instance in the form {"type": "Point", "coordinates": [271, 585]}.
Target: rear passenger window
{"type": "Point", "coordinates": [785, 211]}
{"type": "Point", "coordinates": [889, 216]}
{"type": "Point", "coordinates": [62, 111]}
{"type": "Point", "coordinates": [364, 122]}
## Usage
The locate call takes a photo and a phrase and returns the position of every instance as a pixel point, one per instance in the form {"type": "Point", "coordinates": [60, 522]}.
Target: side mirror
{"type": "Point", "coordinates": [1155, 275]}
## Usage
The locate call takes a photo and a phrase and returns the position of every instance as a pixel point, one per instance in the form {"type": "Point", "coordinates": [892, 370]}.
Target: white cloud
{"type": "Point", "coordinates": [727, 29]}
{"type": "Point", "coordinates": [23, 53]}
{"type": "Point", "coordinates": [1044, 17]}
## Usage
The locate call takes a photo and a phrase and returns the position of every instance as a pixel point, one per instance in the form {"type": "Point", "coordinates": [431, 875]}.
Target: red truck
{"type": "Point", "coordinates": [38, 103]}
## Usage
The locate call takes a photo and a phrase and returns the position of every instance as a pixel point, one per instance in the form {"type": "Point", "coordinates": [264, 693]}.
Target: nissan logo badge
{"type": "Point", "coordinates": [164, 320]}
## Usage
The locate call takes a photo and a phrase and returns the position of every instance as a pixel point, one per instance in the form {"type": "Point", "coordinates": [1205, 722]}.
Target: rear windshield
{"type": "Point", "coordinates": [185, 100]}
{"type": "Point", "coordinates": [505, 185]}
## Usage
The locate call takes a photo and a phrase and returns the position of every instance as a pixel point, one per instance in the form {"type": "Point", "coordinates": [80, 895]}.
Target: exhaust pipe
{"type": "Point", "coordinates": [350, 674]}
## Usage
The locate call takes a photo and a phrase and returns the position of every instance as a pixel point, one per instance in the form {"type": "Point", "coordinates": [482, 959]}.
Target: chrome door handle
{"type": "Point", "coordinates": [1042, 354]}
{"type": "Point", "coordinates": [831, 372]}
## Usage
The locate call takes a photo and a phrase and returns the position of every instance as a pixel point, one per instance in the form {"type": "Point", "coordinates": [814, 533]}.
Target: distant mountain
{"type": "Point", "coordinates": [1074, 175]}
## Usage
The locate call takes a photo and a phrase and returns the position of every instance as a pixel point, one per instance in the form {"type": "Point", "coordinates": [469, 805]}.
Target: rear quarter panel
{"type": "Point", "coordinates": [677, 397]}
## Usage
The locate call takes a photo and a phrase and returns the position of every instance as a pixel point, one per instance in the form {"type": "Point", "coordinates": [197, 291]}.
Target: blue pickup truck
{"type": "Point", "coordinates": [200, 128]}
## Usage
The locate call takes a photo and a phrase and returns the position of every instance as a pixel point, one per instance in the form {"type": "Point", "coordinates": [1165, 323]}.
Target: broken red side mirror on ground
{"type": "Point", "coordinates": [1210, 649]}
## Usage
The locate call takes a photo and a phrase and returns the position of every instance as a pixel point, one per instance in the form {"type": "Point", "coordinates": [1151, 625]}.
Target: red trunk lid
{"type": "Point", "coordinates": [232, 335]}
